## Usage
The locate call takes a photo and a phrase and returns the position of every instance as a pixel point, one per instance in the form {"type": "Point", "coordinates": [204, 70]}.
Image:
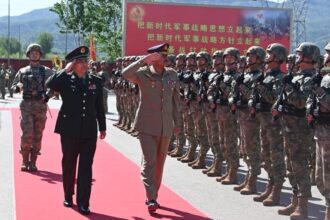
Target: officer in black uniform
{"type": "Point", "coordinates": [80, 114]}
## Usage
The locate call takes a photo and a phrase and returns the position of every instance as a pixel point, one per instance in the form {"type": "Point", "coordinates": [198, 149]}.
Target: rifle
{"type": "Point", "coordinates": [236, 98]}
{"type": "Point", "coordinates": [255, 102]}
{"type": "Point", "coordinates": [278, 107]}
{"type": "Point", "coordinates": [312, 110]}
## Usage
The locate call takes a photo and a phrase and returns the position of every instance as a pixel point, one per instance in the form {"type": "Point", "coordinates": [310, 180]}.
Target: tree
{"type": "Point", "coordinates": [103, 17]}
{"type": "Point", "coordinates": [12, 45]}
{"type": "Point", "coordinates": [46, 41]}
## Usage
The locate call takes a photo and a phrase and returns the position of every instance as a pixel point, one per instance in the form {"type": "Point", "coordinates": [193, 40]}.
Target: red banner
{"type": "Point", "coordinates": [92, 47]}
{"type": "Point", "coordinates": [202, 28]}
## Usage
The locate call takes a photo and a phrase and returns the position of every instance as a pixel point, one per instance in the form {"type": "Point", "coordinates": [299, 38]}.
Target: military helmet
{"type": "Point", "coordinates": [191, 55]}
{"type": "Point", "coordinates": [103, 62]}
{"type": "Point", "coordinates": [33, 47]}
{"type": "Point", "coordinates": [257, 50]}
{"type": "Point", "coordinates": [217, 53]}
{"type": "Point", "coordinates": [118, 59]}
{"type": "Point", "coordinates": [327, 47]}
{"type": "Point", "coordinates": [233, 52]}
{"type": "Point", "coordinates": [291, 58]}
{"type": "Point", "coordinates": [181, 56]}
{"type": "Point", "coordinates": [310, 51]}
{"type": "Point", "coordinates": [205, 55]}
{"type": "Point", "coordinates": [278, 50]}
{"type": "Point", "coordinates": [132, 58]}
{"type": "Point", "coordinates": [242, 59]}
{"type": "Point", "coordinates": [171, 58]}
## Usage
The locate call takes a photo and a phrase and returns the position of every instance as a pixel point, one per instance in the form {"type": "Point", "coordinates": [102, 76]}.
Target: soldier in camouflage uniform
{"type": "Point", "coordinates": [116, 73]}
{"type": "Point", "coordinates": [218, 92]}
{"type": "Point", "coordinates": [180, 63]}
{"type": "Point", "coordinates": [199, 88]}
{"type": "Point", "coordinates": [103, 73]}
{"type": "Point", "coordinates": [189, 124]}
{"type": "Point", "coordinates": [242, 91]}
{"type": "Point", "coordinates": [318, 104]}
{"type": "Point", "coordinates": [11, 76]}
{"type": "Point", "coordinates": [3, 78]}
{"type": "Point", "coordinates": [215, 133]}
{"type": "Point", "coordinates": [31, 80]}
{"type": "Point", "coordinates": [296, 133]}
{"type": "Point", "coordinates": [266, 91]}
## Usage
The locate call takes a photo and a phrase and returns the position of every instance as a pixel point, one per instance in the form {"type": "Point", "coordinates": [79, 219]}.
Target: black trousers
{"type": "Point", "coordinates": [71, 149]}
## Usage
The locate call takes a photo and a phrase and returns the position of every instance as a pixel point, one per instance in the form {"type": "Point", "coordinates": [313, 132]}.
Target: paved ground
{"type": "Point", "coordinates": [215, 200]}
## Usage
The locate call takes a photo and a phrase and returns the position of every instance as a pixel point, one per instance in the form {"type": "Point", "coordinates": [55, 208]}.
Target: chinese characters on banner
{"type": "Point", "coordinates": [202, 28]}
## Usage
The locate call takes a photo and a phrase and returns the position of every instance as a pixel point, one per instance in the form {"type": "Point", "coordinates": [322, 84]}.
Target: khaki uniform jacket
{"type": "Point", "coordinates": [158, 110]}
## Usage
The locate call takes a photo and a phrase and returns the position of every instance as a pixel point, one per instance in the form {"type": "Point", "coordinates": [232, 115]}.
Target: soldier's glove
{"type": "Point", "coordinates": [317, 80]}
{"type": "Point", "coordinates": [220, 78]}
{"type": "Point", "coordinates": [240, 80]}
{"type": "Point", "coordinates": [45, 98]}
{"type": "Point", "coordinates": [260, 79]}
{"type": "Point", "coordinates": [287, 79]}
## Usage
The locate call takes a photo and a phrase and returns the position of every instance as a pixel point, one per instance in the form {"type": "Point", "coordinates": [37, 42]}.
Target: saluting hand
{"type": "Point", "coordinates": [103, 134]}
{"type": "Point", "coordinates": [68, 67]}
{"type": "Point", "coordinates": [152, 57]}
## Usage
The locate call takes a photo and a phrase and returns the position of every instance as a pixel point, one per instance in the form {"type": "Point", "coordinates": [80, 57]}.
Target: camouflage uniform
{"type": "Point", "coordinates": [189, 123]}
{"type": "Point", "coordinates": [3, 76]}
{"type": "Point", "coordinates": [106, 81]}
{"type": "Point", "coordinates": [267, 89]}
{"type": "Point", "coordinates": [242, 91]}
{"type": "Point", "coordinates": [181, 139]}
{"type": "Point", "coordinates": [296, 133]}
{"type": "Point", "coordinates": [198, 107]}
{"type": "Point", "coordinates": [322, 131]}
{"type": "Point", "coordinates": [33, 108]}
{"type": "Point", "coordinates": [218, 93]}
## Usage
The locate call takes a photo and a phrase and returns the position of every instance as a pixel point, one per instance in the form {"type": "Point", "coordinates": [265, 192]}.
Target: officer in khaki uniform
{"type": "Point", "coordinates": [157, 116]}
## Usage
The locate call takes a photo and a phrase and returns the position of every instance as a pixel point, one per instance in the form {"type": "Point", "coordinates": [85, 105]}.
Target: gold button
{"type": "Point", "coordinates": [84, 101]}
{"type": "Point", "coordinates": [84, 107]}
{"type": "Point", "coordinates": [84, 94]}
{"type": "Point", "coordinates": [83, 115]}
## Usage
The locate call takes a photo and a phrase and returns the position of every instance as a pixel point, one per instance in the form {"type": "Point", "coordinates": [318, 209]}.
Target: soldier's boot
{"type": "Point", "coordinates": [123, 123]}
{"type": "Point", "coordinates": [120, 120]}
{"type": "Point", "coordinates": [312, 176]}
{"type": "Point", "coordinates": [301, 211]}
{"type": "Point", "coordinates": [231, 178]}
{"type": "Point", "coordinates": [208, 169]}
{"type": "Point", "coordinates": [190, 156]}
{"type": "Point", "coordinates": [33, 160]}
{"type": "Point", "coordinates": [25, 162]}
{"type": "Point", "coordinates": [274, 197]}
{"type": "Point", "coordinates": [264, 195]}
{"type": "Point", "coordinates": [290, 208]}
{"type": "Point", "coordinates": [130, 131]}
{"type": "Point", "coordinates": [327, 214]}
{"type": "Point", "coordinates": [251, 186]}
{"type": "Point", "coordinates": [200, 163]}
{"type": "Point", "coordinates": [243, 184]}
{"type": "Point", "coordinates": [216, 169]}
{"type": "Point", "coordinates": [178, 151]}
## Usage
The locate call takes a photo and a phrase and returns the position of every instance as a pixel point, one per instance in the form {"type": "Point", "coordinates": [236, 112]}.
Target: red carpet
{"type": "Point", "coordinates": [117, 191]}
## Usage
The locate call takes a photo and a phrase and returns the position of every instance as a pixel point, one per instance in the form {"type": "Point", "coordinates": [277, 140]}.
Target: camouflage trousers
{"type": "Point", "coordinates": [200, 126]}
{"type": "Point", "coordinates": [118, 104]}
{"type": "Point", "coordinates": [323, 161]}
{"type": "Point", "coordinates": [251, 145]}
{"type": "Point", "coordinates": [189, 129]}
{"type": "Point", "coordinates": [33, 120]}
{"type": "Point", "coordinates": [213, 134]}
{"type": "Point", "coordinates": [272, 148]}
{"type": "Point", "coordinates": [296, 137]}
{"type": "Point", "coordinates": [3, 87]}
{"type": "Point", "coordinates": [105, 100]}
{"type": "Point", "coordinates": [228, 135]}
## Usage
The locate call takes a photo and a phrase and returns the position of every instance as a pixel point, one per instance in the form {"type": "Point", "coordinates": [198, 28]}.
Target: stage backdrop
{"type": "Point", "coordinates": [202, 28]}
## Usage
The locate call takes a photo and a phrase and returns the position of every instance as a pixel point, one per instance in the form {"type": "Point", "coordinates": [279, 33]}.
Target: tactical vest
{"type": "Point", "coordinates": [33, 80]}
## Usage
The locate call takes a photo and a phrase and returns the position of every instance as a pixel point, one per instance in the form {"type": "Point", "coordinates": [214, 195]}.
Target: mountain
{"type": "Point", "coordinates": [28, 26]}
{"type": "Point", "coordinates": [42, 20]}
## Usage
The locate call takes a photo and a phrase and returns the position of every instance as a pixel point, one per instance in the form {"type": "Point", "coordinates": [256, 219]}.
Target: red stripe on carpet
{"type": "Point", "coordinates": [117, 191]}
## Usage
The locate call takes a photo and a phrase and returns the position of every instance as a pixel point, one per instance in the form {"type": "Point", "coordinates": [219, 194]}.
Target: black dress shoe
{"type": "Point", "coordinates": [67, 203]}
{"type": "Point", "coordinates": [153, 205]}
{"type": "Point", "coordinates": [84, 210]}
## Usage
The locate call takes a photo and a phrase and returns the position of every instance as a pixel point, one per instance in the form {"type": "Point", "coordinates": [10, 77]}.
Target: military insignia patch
{"type": "Point", "coordinates": [92, 87]}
